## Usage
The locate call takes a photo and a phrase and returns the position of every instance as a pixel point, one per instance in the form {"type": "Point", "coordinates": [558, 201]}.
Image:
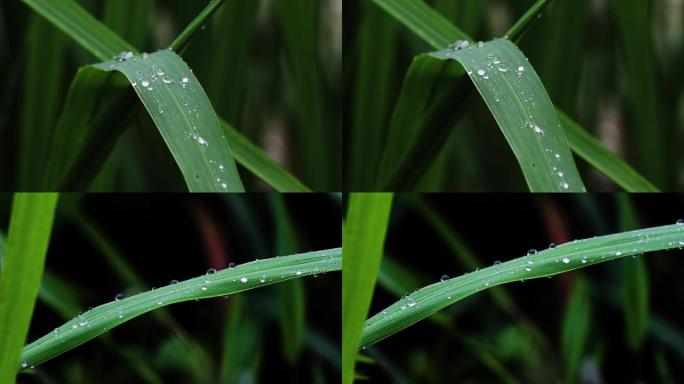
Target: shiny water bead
{"type": "Point", "coordinates": [444, 278]}
{"type": "Point", "coordinates": [119, 296]}
{"type": "Point", "coordinates": [211, 271]}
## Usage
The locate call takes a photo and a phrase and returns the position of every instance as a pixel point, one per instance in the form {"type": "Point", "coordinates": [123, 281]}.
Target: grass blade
{"type": "Point", "coordinates": [378, 45]}
{"type": "Point", "coordinates": [634, 284]}
{"type": "Point", "coordinates": [228, 281]}
{"type": "Point", "coordinates": [424, 21]}
{"type": "Point", "coordinates": [575, 329]}
{"type": "Point", "coordinates": [316, 141]}
{"type": "Point", "coordinates": [419, 17]}
{"type": "Point", "coordinates": [42, 88]}
{"type": "Point", "coordinates": [593, 152]}
{"type": "Point", "coordinates": [94, 36]}
{"type": "Point", "coordinates": [184, 37]}
{"type": "Point", "coordinates": [523, 111]}
{"type": "Point", "coordinates": [22, 270]}
{"type": "Point", "coordinates": [563, 258]}
{"type": "Point", "coordinates": [363, 240]}
{"type": "Point", "coordinates": [185, 118]}
{"type": "Point", "coordinates": [129, 19]}
{"type": "Point", "coordinates": [256, 161]}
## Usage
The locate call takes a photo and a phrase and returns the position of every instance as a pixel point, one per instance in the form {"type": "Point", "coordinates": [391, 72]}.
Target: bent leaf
{"type": "Point", "coordinates": [247, 276]}
{"type": "Point", "coordinates": [523, 110]}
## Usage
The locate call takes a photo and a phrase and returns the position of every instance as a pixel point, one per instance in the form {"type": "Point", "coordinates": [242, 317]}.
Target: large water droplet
{"type": "Point", "coordinates": [119, 296]}
{"type": "Point", "coordinates": [444, 278]}
{"type": "Point", "coordinates": [680, 221]}
{"type": "Point", "coordinates": [410, 301]}
{"type": "Point", "coordinates": [244, 279]}
{"type": "Point", "coordinates": [496, 262]}
{"type": "Point", "coordinates": [532, 252]}
{"type": "Point", "coordinates": [211, 271]}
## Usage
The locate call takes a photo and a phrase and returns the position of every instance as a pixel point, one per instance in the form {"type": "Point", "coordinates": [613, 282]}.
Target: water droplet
{"type": "Point", "coordinates": [460, 44]}
{"type": "Point", "coordinates": [521, 69]}
{"type": "Point", "coordinates": [566, 260]}
{"type": "Point", "coordinates": [528, 269]}
{"type": "Point", "coordinates": [125, 55]}
{"type": "Point", "coordinates": [201, 141]}
{"type": "Point", "coordinates": [119, 296]}
{"type": "Point", "coordinates": [496, 262]}
{"type": "Point", "coordinates": [565, 185]}
{"type": "Point", "coordinates": [538, 130]}
{"type": "Point", "coordinates": [552, 245]}
{"type": "Point", "coordinates": [299, 273]}
{"type": "Point", "coordinates": [211, 271]}
{"type": "Point", "coordinates": [584, 260]}
{"type": "Point", "coordinates": [503, 69]}
{"type": "Point", "coordinates": [145, 83]}
{"type": "Point", "coordinates": [82, 320]}
{"type": "Point", "coordinates": [173, 282]}
{"type": "Point", "coordinates": [160, 302]}
{"type": "Point", "coordinates": [680, 221]}
{"type": "Point", "coordinates": [204, 288]}
{"type": "Point", "coordinates": [481, 72]}
{"type": "Point", "coordinates": [410, 301]}
{"type": "Point", "coordinates": [403, 307]}
{"type": "Point", "coordinates": [444, 278]}
{"type": "Point", "coordinates": [618, 253]}
{"type": "Point", "coordinates": [244, 279]}
{"type": "Point", "coordinates": [262, 279]}
{"type": "Point", "coordinates": [231, 265]}
{"type": "Point", "coordinates": [532, 251]}
{"type": "Point", "coordinates": [24, 364]}
{"type": "Point", "coordinates": [144, 55]}
{"type": "Point", "coordinates": [480, 44]}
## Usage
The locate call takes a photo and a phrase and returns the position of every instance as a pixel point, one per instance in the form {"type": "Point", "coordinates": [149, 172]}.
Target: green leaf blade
{"type": "Point", "coordinates": [563, 258]}
{"type": "Point", "coordinates": [363, 241]}
{"type": "Point", "coordinates": [524, 112]}
{"type": "Point", "coordinates": [185, 118]}
{"type": "Point", "coordinates": [82, 27]}
{"type": "Point", "coordinates": [225, 282]}
{"type": "Point", "coordinates": [22, 270]}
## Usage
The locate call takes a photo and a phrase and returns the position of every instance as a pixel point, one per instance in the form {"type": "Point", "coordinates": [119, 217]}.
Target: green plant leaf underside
{"type": "Point", "coordinates": [523, 110]}
{"type": "Point", "coordinates": [552, 261]}
{"type": "Point", "coordinates": [247, 276]}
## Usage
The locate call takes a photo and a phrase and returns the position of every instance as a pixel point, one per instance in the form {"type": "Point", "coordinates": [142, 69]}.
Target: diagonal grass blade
{"type": "Point", "coordinates": [94, 36]}
{"type": "Point", "coordinates": [522, 108]}
{"type": "Point", "coordinates": [563, 258]}
{"type": "Point", "coordinates": [185, 118]}
{"type": "Point", "coordinates": [22, 269]}
{"type": "Point", "coordinates": [247, 276]}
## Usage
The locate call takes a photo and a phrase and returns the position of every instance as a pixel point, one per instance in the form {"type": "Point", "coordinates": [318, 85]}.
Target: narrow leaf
{"type": "Point", "coordinates": [363, 241]}
{"type": "Point", "coordinates": [563, 258]}
{"type": "Point", "coordinates": [522, 108]}
{"type": "Point", "coordinates": [22, 270]}
{"type": "Point", "coordinates": [94, 36]}
{"type": "Point", "coordinates": [225, 282]}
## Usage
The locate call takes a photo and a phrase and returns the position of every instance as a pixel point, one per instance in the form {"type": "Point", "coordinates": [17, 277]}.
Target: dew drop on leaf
{"type": "Point", "coordinates": [244, 279]}
{"type": "Point", "coordinates": [566, 260]}
{"type": "Point", "coordinates": [119, 296]}
{"type": "Point", "coordinates": [444, 278]}
{"type": "Point", "coordinates": [211, 271]}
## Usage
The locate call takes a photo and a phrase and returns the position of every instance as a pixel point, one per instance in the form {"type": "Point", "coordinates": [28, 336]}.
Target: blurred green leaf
{"type": "Point", "coordinates": [575, 331]}
{"type": "Point", "coordinates": [22, 269]}
{"type": "Point", "coordinates": [363, 241]}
